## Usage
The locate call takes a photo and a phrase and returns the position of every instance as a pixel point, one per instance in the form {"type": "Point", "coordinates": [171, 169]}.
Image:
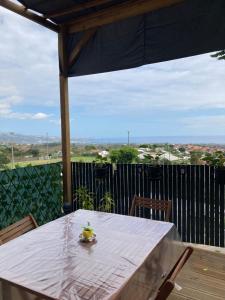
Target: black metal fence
{"type": "Point", "coordinates": [197, 194]}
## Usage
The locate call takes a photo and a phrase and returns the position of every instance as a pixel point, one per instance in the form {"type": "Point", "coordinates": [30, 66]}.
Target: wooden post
{"type": "Point", "coordinates": [65, 120]}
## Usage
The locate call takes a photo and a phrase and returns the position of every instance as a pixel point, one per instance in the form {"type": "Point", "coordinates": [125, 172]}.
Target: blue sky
{"type": "Point", "coordinates": [182, 97]}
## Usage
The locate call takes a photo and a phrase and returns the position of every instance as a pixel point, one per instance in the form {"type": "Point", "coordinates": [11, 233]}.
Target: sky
{"type": "Point", "coordinates": [177, 98]}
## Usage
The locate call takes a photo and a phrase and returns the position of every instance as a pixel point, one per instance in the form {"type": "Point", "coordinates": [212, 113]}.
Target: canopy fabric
{"type": "Point", "coordinates": [190, 28]}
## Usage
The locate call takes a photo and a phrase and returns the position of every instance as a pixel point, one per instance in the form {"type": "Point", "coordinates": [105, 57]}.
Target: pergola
{"type": "Point", "coordinates": [97, 36]}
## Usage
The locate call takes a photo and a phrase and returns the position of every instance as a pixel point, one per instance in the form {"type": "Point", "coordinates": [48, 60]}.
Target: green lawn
{"type": "Point", "coordinates": [83, 158]}
{"type": "Point", "coordinates": [51, 161]}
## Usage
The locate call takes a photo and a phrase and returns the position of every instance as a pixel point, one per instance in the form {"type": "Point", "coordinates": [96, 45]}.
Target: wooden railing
{"type": "Point", "coordinates": [197, 194]}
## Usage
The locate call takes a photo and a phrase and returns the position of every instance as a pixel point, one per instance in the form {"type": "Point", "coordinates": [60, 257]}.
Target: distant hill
{"type": "Point", "coordinates": [16, 138]}
{"type": "Point", "coordinates": [9, 137]}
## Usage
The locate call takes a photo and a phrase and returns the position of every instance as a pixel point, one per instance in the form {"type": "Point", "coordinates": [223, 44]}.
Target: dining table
{"type": "Point", "coordinates": [128, 259]}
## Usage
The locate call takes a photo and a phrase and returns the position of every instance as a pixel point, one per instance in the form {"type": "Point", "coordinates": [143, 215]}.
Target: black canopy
{"type": "Point", "coordinates": [185, 29]}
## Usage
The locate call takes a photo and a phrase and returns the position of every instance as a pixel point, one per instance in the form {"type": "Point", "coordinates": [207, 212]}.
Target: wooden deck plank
{"type": "Point", "coordinates": [203, 278]}
{"type": "Point", "coordinates": [203, 285]}
{"type": "Point", "coordinates": [194, 294]}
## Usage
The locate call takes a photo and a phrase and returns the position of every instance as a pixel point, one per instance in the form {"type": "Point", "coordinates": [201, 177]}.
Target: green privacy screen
{"type": "Point", "coordinates": [36, 190]}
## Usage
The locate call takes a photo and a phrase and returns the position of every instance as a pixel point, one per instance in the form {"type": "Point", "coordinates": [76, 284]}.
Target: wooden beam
{"type": "Point", "coordinates": [63, 58]}
{"type": "Point", "coordinates": [65, 120]}
{"type": "Point", "coordinates": [65, 134]}
{"type": "Point", "coordinates": [118, 12]}
{"type": "Point", "coordinates": [79, 46]}
{"type": "Point", "coordinates": [76, 8]}
{"type": "Point", "coordinates": [22, 11]}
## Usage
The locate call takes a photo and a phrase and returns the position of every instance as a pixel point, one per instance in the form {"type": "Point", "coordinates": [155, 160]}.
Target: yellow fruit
{"type": "Point", "coordinates": [87, 234]}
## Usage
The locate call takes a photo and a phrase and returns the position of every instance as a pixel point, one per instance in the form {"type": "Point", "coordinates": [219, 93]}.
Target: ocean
{"type": "Point", "coordinates": [155, 139]}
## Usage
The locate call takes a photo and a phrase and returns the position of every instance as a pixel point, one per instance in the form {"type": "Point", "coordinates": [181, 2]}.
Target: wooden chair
{"type": "Point", "coordinates": [169, 283]}
{"type": "Point", "coordinates": [11, 232]}
{"type": "Point", "coordinates": [163, 205]}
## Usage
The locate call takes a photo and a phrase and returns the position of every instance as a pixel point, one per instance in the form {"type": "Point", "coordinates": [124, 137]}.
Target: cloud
{"type": "Point", "coordinates": [211, 124]}
{"type": "Point", "coordinates": [31, 68]}
{"type": "Point", "coordinates": [6, 113]}
{"type": "Point", "coordinates": [7, 103]}
{"type": "Point", "coordinates": [181, 85]}
{"type": "Point", "coordinates": [28, 60]}
{"type": "Point", "coordinates": [162, 96]}
{"type": "Point", "coordinates": [27, 56]}
{"type": "Point", "coordinates": [40, 116]}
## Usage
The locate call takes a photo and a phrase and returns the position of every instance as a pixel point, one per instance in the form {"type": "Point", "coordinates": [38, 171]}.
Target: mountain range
{"type": "Point", "coordinates": [11, 137]}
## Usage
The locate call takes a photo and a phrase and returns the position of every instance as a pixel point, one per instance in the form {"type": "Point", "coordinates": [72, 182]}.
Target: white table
{"type": "Point", "coordinates": [128, 261]}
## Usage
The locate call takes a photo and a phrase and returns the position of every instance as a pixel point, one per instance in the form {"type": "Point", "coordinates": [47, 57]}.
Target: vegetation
{"type": "Point", "coordinates": [106, 203]}
{"type": "Point", "coordinates": [90, 147]}
{"type": "Point", "coordinates": [195, 157]}
{"type": "Point", "coordinates": [144, 146]}
{"type": "Point", "coordinates": [25, 155]}
{"type": "Point", "coordinates": [100, 159]}
{"type": "Point", "coordinates": [216, 159]}
{"type": "Point", "coordinates": [35, 152]}
{"type": "Point", "coordinates": [182, 149]}
{"type": "Point", "coordinates": [150, 159]}
{"type": "Point", "coordinates": [219, 55]}
{"type": "Point", "coordinates": [84, 198]}
{"type": "Point", "coordinates": [124, 155]}
{"type": "Point", "coordinates": [4, 160]}
{"type": "Point", "coordinates": [88, 227]}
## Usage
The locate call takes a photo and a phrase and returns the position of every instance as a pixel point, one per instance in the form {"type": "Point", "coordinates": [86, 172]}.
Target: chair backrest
{"type": "Point", "coordinates": [169, 283]}
{"type": "Point", "coordinates": [11, 232]}
{"type": "Point", "coordinates": [163, 205]}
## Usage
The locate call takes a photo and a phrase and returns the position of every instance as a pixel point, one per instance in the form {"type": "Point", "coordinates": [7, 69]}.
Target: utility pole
{"type": "Point", "coordinates": [128, 138]}
{"type": "Point", "coordinates": [12, 153]}
{"type": "Point", "coordinates": [169, 152]}
{"type": "Point", "coordinates": [13, 162]}
{"type": "Point", "coordinates": [47, 145]}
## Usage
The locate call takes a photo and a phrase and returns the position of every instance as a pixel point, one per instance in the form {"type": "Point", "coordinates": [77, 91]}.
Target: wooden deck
{"type": "Point", "coordinates": [203, 277]}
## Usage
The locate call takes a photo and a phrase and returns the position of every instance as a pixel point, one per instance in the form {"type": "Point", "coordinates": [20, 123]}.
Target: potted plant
{"type": "Point", "coordinates": [101, 171]}
{"type": "Point", "coordinates": [106, 203]}
{"type": "Point", "coordinates": [84, 198]}
{"type": "Point", "coordinates": [154, 173]}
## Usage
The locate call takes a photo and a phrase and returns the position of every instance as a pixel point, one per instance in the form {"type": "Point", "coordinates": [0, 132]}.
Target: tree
{"type": "Point", "coordinates": [89, 147]}
{"type": "Point", "coordinates": [143, 146]}
{"type": "Point", "coordinates": [100, 159]}
{"type": "Point", "coordinates": [219, 55]}
{"type": "Point", "coordinates": [114, 155]}
{"type": "Point", "coordinates": [123, 155]}
{"type": "Point", "coordinates": [195, 158]}
{"type": "Point", "coordinates": [35, 152]}
{"type": "Point", "coordinates": [216, 159]}
{"type": "Point", "coordinates": [182, 149]}
{"type": "Point", "coordinates": [4, 160]}
{"type": "Point", "coordinates": [153, 146]}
